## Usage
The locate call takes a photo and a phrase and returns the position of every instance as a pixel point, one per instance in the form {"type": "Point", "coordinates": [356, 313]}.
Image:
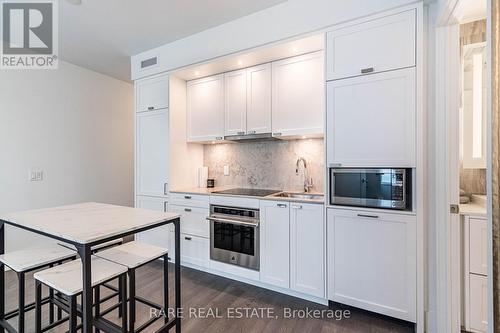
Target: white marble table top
{"type": "Point", "coordinates": [87, 222]}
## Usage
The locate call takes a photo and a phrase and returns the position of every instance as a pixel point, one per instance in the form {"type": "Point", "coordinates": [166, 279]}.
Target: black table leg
{"type": "Point", "coordinates": [177, 274]}
{"type": "Point", "coordinates": [2, 276]}
{"type": "Point", "coordinates": [21, 278]}
{"type": "Point", "coordinates": [86, 256]}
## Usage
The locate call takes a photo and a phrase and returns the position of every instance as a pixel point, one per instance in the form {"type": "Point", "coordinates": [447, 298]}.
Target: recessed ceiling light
{"type": "Point", "coordinates": [197, 73]}
{"type": "Point", "coordinates": [240, 62]}
{"type": "Point", "coordinates": [304, 137]}
{"type": "Point", "coordinates": [295, 50]}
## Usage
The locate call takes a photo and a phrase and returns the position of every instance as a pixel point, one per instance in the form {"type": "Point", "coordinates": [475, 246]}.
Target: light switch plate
{"type": "Point", "coordinates": [36, 175]}
{"type": "Point", "coordinates": [226, 170]}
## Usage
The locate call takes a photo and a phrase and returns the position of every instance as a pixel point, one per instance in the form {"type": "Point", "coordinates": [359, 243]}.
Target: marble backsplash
{"type": "Point", "coordinates": [266, 164]}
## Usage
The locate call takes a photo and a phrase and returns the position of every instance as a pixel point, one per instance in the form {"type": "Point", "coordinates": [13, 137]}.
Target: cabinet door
{"type": "Point", "coordinates": [194, 220]}
{"type": "Point", "coordinates": [478, 248]}
{"type": "Point", "coordinates": [152, 153]}
{"type": "Point", "coordinates": [205, 109]}
{"type": "Point", "coordinates": [371, 120]}
{"type": "Point", "coordinates": [372, 261]}
{"type": "Point", "coordinates": [195, 250]}
{"type": "Point", "coordinates": [298, 95]}
{"type": "Point", "coordinates": [259, 99]}
{"type": "Point", "coordinates": [152, 94]}
{"type": "Point", "coordinates": [235, 87]}
{"type": "Point", "coordinates": [375, 46]}
{"type": "Point", "coordinates": [157, 236]}
{"type": "Point", "coordinates": [275, 243]}
{"type": "Point", "coordinates": [478, 307]}
{"type": "Point", "coordinates": [307, 249]}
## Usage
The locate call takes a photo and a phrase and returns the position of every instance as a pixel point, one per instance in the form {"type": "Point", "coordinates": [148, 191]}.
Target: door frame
{"type": "Point", "coordinates": [447, 163]}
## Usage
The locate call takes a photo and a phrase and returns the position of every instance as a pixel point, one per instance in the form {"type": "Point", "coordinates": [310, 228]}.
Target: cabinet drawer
{"type": "Point", "coordinates": [195, 250]}
{"type": "Point", "coordinates": [189, 200]}
{"type": "Point", "coordinates": [371, 47]}
{"type": "Point", "coordinates": [193, 220]}
{"type": "Point", "coordinates": [478, 306]}
{"type": "Point", "coordinates": [478, 246]}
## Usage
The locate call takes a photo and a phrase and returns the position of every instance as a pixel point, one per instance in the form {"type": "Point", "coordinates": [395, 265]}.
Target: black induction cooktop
{"type": "Point", "coordinates": [251, 192]}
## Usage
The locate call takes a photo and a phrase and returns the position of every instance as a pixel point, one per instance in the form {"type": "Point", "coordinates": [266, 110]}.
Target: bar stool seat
{"type": "Point", "coordinates": [30, 259]}
{"type": "Point", "coordinates": [134, 255]}
{"type": "Point", "coordinates": [68, 279]}
{"type": "Point", "coordinates": [25, 261]}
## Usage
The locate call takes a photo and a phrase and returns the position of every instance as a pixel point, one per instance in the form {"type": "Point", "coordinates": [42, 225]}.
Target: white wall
{"type": "Point", "coordinates": [286, 20]}
{"type": "Point", "coordinates": [76, 125]}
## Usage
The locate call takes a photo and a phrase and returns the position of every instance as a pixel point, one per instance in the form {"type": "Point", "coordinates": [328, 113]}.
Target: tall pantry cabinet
{"type": "Point", "coordinates": [152, 152]}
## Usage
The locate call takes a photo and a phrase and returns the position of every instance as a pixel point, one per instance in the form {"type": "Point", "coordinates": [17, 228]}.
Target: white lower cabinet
{"type": "Point", "coordinates": [307, 249]}
{"type": "Point", "coordinates": [157, 236]}
{"type": "Point", "coordinates": [478, 306]}
{"type": "Point", "coordinates": [372, 261]}
{"type": "Point", "coordinates": [193, 220]}
{"type": "Point", "coordinates": [195, 250]}
{"type": "Point", "coordinates": [275, 243]}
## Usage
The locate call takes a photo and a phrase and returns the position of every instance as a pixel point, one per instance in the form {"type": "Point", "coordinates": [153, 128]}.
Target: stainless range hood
{"type": "Point", "coordinates": [251, 137]}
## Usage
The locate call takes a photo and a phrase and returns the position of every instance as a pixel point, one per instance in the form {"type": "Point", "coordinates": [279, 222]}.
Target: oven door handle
{"type": "Point", "coordinates": [247, 224]}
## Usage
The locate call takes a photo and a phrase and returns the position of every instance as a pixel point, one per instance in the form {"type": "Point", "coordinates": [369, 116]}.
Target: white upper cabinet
{"type": "Point", "coordinates": [307, 249]}
{"type": "Point", "coordinates": [259, 99]}
{"type": "Point", "coordinates": [371, 120]}
{"type": "Point", "coordinates": [275, 243]}
{"type": "Point", "coordinates": [371, 47]}
{"type": "Point", "coordinates": [152, 142]}
{"type": "Point", "coordinates": [235, 85]}
{"type": "Point", "coordinates": [298, 95]}
{"type": "Point", "coordinates": [205, 109]}
{"type": "Point", "coordinates": [152, 94]}
{"type": "Point", "coordinates": [372, 261]}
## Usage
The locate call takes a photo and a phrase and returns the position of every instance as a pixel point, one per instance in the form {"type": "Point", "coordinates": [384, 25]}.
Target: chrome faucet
{"type": "Point", "coordinates": [308, 182]}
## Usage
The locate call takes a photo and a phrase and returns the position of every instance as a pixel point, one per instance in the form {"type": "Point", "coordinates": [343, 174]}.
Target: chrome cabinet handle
{"type": "Point", "coordinates": [218, 138]}
{"type": "Point", "coordinates": [277, 134]}
{"type": "Point", "coordinates": [187, 238]}
{"type": "Point", "coordinates": [240, 133]}
{"type": "Point", "coordinates": [165, 188]}
{"type": "Point", "coordinates": [367, 70]}
{"type": "Point", "coordinates": [334, 165]}
{"type": "Point", "coordinates": [252, 132]}
{"type": "Point", "coordinates": [187, 197]}
{"type": "Point", "coordinates": [165, 206]}
{"type": "Point", "coordinates": [187, 209]}
{"type": "Point", "coordinates": [369, 216]}
{"type": "Point", "coordinates": [151, 107]}
{"type": "Point", "coordinates": [296, 206]}
{"type": "Point", "coordinates": [281, 205]}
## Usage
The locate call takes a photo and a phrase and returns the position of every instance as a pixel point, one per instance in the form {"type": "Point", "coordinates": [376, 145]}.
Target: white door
{"type": "Point", "coordinates": [157, 236]}
{"type": "Point", "coordinates": [205, 109]}
{"type": "Point", "coordinates": [259, 99]}
{"type": "Point", "coordinates": [298, 95]}
{"type": "Point", "coordinates": [235, 87]}
{"type": "Point", "coordinates": [371, 120]}
{"type": "Point", "coordinates": [478, 307]}
{"type": "Point", "coordinates": [152, 94]}
{"type": "Point", "coordinates": [372, 261]}
{"type": "Point", "coordinates": [152, 140]}
{"type": "Point", "coordinates": [275, 243]}
{"type": "Point", "coordinates": [307, 249]}
{"type": "Point", "coordinates": [375, 46]}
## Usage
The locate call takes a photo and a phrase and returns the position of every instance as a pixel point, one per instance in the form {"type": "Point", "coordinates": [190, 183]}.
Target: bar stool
{"type": "Point", "coordinates": [67, 280]}
{"type": "Point", "coordinates": [25, 261]}
{"type": "Point", "coordinates": [134, 255]}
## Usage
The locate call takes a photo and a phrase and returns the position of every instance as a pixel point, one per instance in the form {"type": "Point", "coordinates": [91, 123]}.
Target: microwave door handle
{"type": "Point", "coordinates": [247, 224]}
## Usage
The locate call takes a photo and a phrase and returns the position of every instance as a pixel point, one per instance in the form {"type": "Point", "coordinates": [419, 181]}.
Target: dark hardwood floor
{"type": "Point", "coordinates": [204, 292]}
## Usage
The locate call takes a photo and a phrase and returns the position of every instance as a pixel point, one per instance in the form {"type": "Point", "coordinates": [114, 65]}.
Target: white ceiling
{"type": "Point", "coordinates": [102, 35]}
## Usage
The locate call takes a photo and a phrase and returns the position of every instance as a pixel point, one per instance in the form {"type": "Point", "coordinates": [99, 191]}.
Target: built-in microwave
{"type": "Point", "coordinates": [371, 187]}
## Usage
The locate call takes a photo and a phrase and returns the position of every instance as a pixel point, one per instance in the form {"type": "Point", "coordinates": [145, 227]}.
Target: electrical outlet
{"type": "Point", "coordinates": [36, 175]}
{"type": "Point", "coordinates": [226, 170]}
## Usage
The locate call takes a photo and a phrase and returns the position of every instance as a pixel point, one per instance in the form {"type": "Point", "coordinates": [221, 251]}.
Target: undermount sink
{"type": "Point", "coordinates": [299, 196]}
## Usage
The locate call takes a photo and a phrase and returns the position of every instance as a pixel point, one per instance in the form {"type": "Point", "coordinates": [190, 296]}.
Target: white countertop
{"type": "Point", "coordinates": [209, 191]}
{"type": "Point", "coordinates": [87, 222]}
{"type": "Point", "coordinates": [477, 206]}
